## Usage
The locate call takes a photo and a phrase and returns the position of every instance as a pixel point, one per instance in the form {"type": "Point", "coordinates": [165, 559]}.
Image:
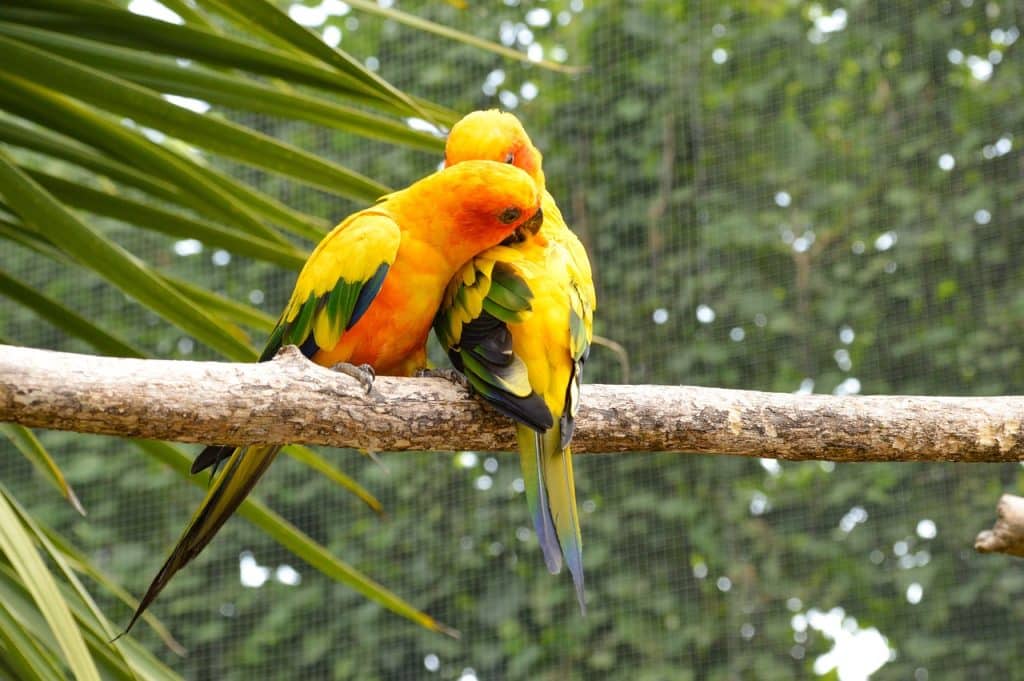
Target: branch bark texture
{"type": "Point", "coordinates": [291, 400]}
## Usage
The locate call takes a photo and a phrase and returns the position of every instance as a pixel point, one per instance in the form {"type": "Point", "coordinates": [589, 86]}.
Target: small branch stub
{"type": "Point", "coordinates": [1007, 535]}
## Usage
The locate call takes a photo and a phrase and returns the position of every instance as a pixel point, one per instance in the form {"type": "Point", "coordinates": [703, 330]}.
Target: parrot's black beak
{"type": "Point", "coordinates": [525, 230]}
{"type": "Point", "coordinates": [533, 224]}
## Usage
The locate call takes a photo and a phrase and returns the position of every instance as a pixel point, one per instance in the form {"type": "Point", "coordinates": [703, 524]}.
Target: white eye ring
{"type": "Point", "coordinates": [511, 158]}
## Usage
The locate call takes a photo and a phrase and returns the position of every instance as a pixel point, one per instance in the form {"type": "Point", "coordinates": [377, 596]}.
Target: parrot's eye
{"type": "Point", "coordinates": [510, 158]}
{"type": "Point", "coordinates": [509, 215]}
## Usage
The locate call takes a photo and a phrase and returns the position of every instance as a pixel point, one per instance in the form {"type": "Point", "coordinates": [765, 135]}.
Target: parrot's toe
{"type": "Point", "coordinates": [450, 375]}
{"type": "Point", "coordinates": [363, 373]}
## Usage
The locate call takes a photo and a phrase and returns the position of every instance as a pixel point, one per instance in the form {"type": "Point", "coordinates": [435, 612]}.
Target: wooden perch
{"type": "Point", "coordinates": [293, 400]}
{"type": "Point", "coordinates": [1007, 535]}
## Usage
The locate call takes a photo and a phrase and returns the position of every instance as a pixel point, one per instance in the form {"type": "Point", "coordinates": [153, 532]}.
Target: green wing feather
{"type": "Point", "coordinates": [480, 301]}
{"type": "Point", "coordinates": [338, 283]}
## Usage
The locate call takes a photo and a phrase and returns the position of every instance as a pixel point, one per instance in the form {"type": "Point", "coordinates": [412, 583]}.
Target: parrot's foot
{"type": "Point", "coordinates": [363, 373]}
{"type": "Point", "coordinates": [450, 375]}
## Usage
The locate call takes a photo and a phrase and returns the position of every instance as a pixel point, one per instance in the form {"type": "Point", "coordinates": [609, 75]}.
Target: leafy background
{"type": "Point", "coordinates": [776, 195]}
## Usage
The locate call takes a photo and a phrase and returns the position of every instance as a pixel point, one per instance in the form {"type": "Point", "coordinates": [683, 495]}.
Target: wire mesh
{"type": "Point", "coordinates": [786, 196]}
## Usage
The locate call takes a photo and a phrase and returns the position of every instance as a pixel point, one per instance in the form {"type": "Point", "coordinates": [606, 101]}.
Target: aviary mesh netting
{"type": "Point", "coordinates": [788, 196]}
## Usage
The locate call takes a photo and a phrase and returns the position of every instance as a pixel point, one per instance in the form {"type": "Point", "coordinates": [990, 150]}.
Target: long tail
{"type": "Point", "coordinates": [228, 491]}
{"type": "Point", "coordinates": [551, 496]}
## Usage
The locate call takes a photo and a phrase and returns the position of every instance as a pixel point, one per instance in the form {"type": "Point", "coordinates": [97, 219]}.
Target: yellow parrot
{"type": "Point", "coordinates": [517, 322]}
{"type": "Point", "coordinates": [367, 296]}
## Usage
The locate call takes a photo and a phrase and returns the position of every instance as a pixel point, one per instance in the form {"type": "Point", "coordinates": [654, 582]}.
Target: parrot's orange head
{"type": "Point", "coordinates": [493, 135]}
{"type": "Point", "coordinates": [490, 202]}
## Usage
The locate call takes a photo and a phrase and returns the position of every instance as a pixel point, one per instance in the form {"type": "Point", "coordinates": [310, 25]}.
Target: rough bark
{"type": "Point", "coordinates": [293, 400]}
{"type": "Point", "coordinates": [1007, 535]}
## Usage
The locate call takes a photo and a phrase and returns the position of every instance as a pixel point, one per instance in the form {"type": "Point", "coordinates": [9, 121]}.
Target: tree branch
{"type": "Point", "coordinates": [1007, 535]}
{"type": "Point", "coordinates": [293, 400]}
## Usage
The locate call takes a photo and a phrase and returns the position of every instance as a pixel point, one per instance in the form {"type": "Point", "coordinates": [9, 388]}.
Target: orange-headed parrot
{"type": "Point", "coordinates": [367, 296]}
{"type": "Point", "coordinates": [517, 322]}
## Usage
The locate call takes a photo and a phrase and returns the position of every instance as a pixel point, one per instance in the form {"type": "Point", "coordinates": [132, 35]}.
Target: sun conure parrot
{"type": "Point", "coordinates": [517, 322]}
{"type": "Point", "coordinates": [367, 296]}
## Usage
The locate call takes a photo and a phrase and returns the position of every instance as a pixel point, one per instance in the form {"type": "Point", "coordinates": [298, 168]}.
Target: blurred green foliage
{"type": "Point", "coordinates": [765, 191]}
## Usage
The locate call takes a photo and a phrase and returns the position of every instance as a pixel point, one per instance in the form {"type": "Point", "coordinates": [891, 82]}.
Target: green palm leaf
{"type": "Point", "coordinates": [296, 541]}
{"type": "Point", "coordinates": [149, 108]}
{"type": "Point", "coordinates": [65, 318]}
{"type": "Point", "coordinates": [273, 20]}
{"type": "Point", "coordinates": [128, 660]}
{"type": "Point", "coordinates": [17, 545]}
{"type": "Point", "coordinates": [29, 445]}
{"type": "Point", "coordinates": [165, 75]}
{"type": "Point", "coordinates": [42, 211]}
{"type": "Point", "coordinates": [67, 116]}
{"type": "Point", "coordinates": [121, 27]}
{"type": "Point", "coordinates": [64, 148]}
{"type": "Point", "coordinates": [112, 204]}
{"type": "Point", "coordinates": [25, 657]}
{"type": "Point", "coordinates": [310, 458]}
{"type": "Point", "coordinates": [80, 563]}
{"type": "Point", "coordinates": [68, 149]}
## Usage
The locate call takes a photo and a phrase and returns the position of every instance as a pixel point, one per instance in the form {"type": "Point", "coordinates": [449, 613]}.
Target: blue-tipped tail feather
{"type": "Point", "coordinates": [551, 497]}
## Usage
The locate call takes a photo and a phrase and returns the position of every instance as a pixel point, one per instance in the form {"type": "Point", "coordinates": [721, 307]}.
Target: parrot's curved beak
{"type": "Point", "coordinates": [525, 230]}
{"type": "Point", "coordinates": [533, 224]}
